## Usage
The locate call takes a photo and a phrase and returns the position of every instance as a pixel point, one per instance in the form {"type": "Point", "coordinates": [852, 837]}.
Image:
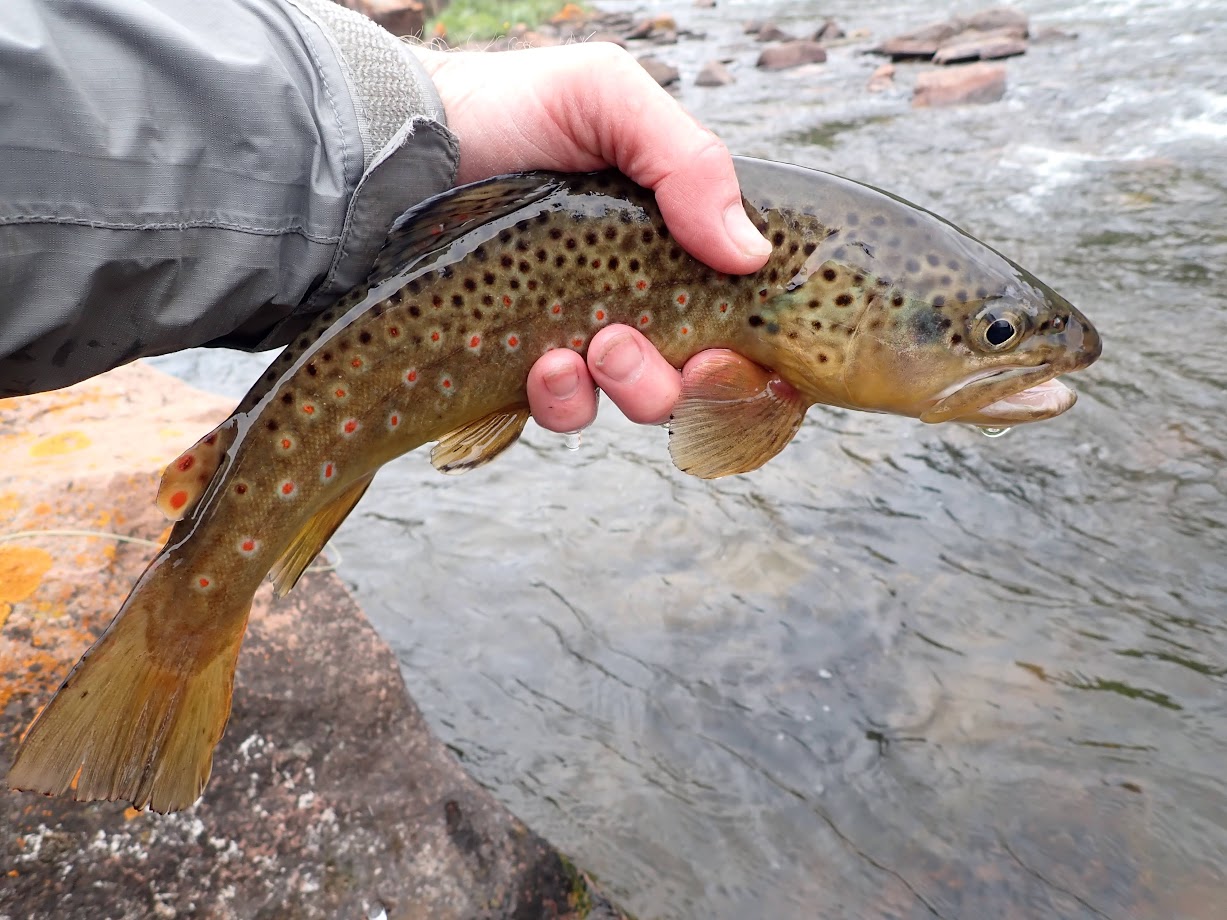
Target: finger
{"type": "Point", "coordinates": [561, 394]}
{"type": "Point", "coordinates": [632, 372]}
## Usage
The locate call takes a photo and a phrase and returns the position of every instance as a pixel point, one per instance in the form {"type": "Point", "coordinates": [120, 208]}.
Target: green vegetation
{"type": "Point", "coordinates": [481, 20]}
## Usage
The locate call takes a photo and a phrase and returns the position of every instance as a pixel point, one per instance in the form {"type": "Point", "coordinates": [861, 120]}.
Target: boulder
{"type": "Point", "coordinates": [829, 31]}
{"type": "Point", "coordinates": [714, 73]}
{"type": "Point", "coordinates": [329, 796]}
{"type": "Point", "coordinates": [974, 45]}
{"type": "Point", "coordinates": [791, 54]}
{"type": "Point", "coordinates": [658, 70]}
{"type": "Point", "coordinates": [968, 83]}
{"type": "Point", "coordinates": [924, 43]}
{"type": "Point", "coordinates": [653, 28]}
{"type": "Point", "coordinates": [770, 32]}
{"type": "Point", "coordinates": [400, 17]}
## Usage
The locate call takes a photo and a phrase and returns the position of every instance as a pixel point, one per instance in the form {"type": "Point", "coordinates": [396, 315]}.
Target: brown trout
{"type": "Point", "coordinates": [866, 302]}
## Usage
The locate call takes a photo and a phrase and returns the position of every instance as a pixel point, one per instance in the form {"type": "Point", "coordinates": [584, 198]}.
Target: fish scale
{"type": "Point", "coordinates": [866, 302]}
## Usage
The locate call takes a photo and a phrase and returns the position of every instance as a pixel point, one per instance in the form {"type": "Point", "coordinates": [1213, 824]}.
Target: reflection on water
{"type": "Point", "coordinates": [902, 671]}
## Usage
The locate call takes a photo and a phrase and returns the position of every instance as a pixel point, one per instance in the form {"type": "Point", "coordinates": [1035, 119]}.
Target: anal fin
{"type": "Point", "coordinates": [315, 533]}
{"type": "Point", "coordinates": [479, 442]}
{"type": "Point", "coordinates": [733, 416]}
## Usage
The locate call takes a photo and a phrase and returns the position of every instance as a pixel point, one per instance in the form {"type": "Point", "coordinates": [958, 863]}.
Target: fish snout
{"type": "Point", "coordinates": [1077, 340]}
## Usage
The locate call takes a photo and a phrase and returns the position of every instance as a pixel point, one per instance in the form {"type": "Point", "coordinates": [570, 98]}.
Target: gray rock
{"type": "Point", "coordinates": [829, 31]}
{"type": "Point", "coordinates": [658, 70]}
{"type": "Point", "coordinates": [973, 45]}
{"type": "Point", "coordinates": [770, 32]}
{"type": "Point", "coordinates": [923, 43]}
{"type": "Point", "coordinates": [969, 83]}
{"type": "Point", "coordinates": [791, 54]}
{"type": "Point", "coordinates": [714, 73]}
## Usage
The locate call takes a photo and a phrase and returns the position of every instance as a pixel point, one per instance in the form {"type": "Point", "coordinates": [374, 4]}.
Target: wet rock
{"type": "Point", "coordinates": [770, 32]}
{"type": "Point", "coordinates": [969, 83]}
{"type": "Point", "coordinates": [1051, 34]}
{"type": "Point", "coordinates": [974, 45]}
{"type": "Point", "coordinates": [329, 797]}
{"type": "Point", "coordinates": [653, 28]}
{"type": "Point", "coordinates": [714, 73]}
{"type": "Point", "coordinates": [704, 4]}
{"type": "Point", "coordinates": [882, 79]}
{"type": "Point", "coordinates": [752, 26]}
{"type": "Point", "coordinates": [829, 31]}
{"type": "Point", "coordinates": [658, 70]}
{"type": "Point", "coordinates": [791, 54]}
{"type": "Point", "coordinates": [924, 43]}
{"type": "Point", "coordinates": [400, 17]}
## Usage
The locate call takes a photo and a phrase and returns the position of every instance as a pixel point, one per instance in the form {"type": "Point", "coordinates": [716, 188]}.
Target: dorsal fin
{"type": "Point", "coordinates": [440, 220]}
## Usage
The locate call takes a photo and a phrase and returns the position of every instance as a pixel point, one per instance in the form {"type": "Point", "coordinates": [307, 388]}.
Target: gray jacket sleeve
{"type": "Point", "coordinates": [187, 172]}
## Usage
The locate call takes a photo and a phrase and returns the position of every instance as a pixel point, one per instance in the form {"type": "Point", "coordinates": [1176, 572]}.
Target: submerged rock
{"type": "Point", "coordinates": [999, 23]}
{"type": "Point", "coordinates": [791, 54]}
{"type": "Point", "coordinates": [714, 73]}
{"type": "Point", "coordinates": [959, 85]}
{"type": "Point", "coordinates": [329, 797]}
{"type": "Point", "coordinates": [882, 79]}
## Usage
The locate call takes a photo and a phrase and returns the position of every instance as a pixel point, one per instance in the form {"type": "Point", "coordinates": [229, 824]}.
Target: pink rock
{"type": "Point", "coordinates": [658, 70]}
{"type": "Point", "coordinates": [770, 32]}
{"type": "Point", "coordinates": [714, 73]}
{"type": "Point", "coordinates": [883, 78]}
{"type": "Point", "coordinates": [829, 31]}
{"type": "Point", "coordinates": [971, 83]}
{"type": "Point", "coordinates": [791, 54]}
{"type": "Point", "coordinates": [973, 45]}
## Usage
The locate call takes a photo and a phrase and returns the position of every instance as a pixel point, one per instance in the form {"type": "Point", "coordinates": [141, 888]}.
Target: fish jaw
{"type": "Point", "coordinates": [1003, 396]}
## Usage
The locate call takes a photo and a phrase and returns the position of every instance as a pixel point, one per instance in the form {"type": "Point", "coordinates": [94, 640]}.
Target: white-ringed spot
{"type": "Point", "coordinates": [474, 343]}
{"type": "Point", "coordinates": [410, 377]}
{"type": "Point", "coordinates": [641, 285]}
{"type": "Point", "coordinates": [577, 341]}
{"type": "Point", "coordinates": [684, 330]}
{"type": "Point", "coordinates": [286, 488]}
{"type": "Point", "coordinates": [722, 308]}
{"type": "Point", "coordinates": [248, 546]}
{"type": "Point", "coordinates": [645, 320]}
{"type": "Point", "coordinates": [393, 421]}
{"type": "Point", "coordinates": [446, 385]}
{"type": "Point", "coordinates": [349, 427]}
{"type": "Point", "coordinates": [286, 443]}
{"type": "Point", "coordinates": [435, 336]}
{"type": "Point", "coordinates": [356, 362]}
{"type": "Point", "coordinates": [340, 394]}
{"type": "Point", "coordinates": [681, 299]}
{"type": "Point", "coordinates": [555, 310]}
{"type": "Point", "coordinates": [308, 408]}
{"type": "Point", "coordinates": [506, 300]}
{"type": "Point", "coordinates": [512, 342]}
{"type": "Point", "coordinates": [328, 471]}
{"type": "Point", "coordinates": [599, 315]}
{"type": "Point", "coordinates": [203, 583]}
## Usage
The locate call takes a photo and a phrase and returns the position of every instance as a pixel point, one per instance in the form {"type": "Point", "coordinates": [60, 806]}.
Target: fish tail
{"type": "Point", "coordinates": [135, 720]}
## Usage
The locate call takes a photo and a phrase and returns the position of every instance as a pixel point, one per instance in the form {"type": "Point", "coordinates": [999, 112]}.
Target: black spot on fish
{"type": "Point", "coordinates": [477, 314]}
{"type": "Point", "coordinates": [555, 233]}
{"type": "Point", "coordinates": [524, 267]}
{"type": "Point", "coordinates": [939, 301]}
{"type": "Point", "coordinates": [505, 236]}
{"type": "Point", "coordinates": [287, 398]}
{"type": "Point", "coordinates": [953, 265]}
{"type": "Point", "coordinates": [304, 342]}
{"type": "Point", "coordinates": [611, 232]}
{"type": "Point", "coordinates": [507, 261]}
{"type": "Point", "coordinates": [480, 253]}
{"type": "Point", "coordinates": [794, 334]}
{"type": "Point", "coordinates": [613, 263]}
{"type": "Point", "coordinates": [414, 311]}
{"type": "Point", "coordinates": [755, 320]}
{"type": "Point", "coordinates": [590, 237]}
{"type": "Point", "coordinates": [457, 300]}
{"type": "Point", "coordinates": [63, 353]}
{"type": "Point", "coordinates": [878, 220]}
{"type": "Point", "coordinates": [928, 326]}
{"type": "Point", "coordinates": [271, 424]}
{"type": "Point", "coordinates": [514, 284]}
{"type": "Point", "coordinates": [897, 300]}
{"type": "Point", "coordinates": [955, 339]}
{"type": "Point", "coordinates": [777, 238]}
{"type": "Point", "coordinates": [933, 260]}
{"type": "Point", "coordinates": [364, 337]}
{"type": "Point", "coordinates": [911, 266]}
{"type": "Point", "coordinates": [830, 274]}
{"type": "Point", "coordinates": [436, 300]}
{"type": "Point", "coordinates": [532, 284]}
{"type": "Point", "coordinates": [570, 243]}
{"type": "Point", "coordinates": [470, 284]}
{"type": "Point", "coordinates": [633, 265]}
{"type": "Point", "coordinates": [817, 324]}
{"type": "Point", "coordinates": [560, 261]}
{"type": "Point", "coordinates": [648, 235]}
{"type": "Point", "coordinates": [487, 300]}
{"type": "Point", "coordinates": [312, 370]}
{"type": "Point", "coordinates": [843, 300]}
{"type": "Point", "coordinates": [809, 248]}
{"type": "Point", "coordinates": [822, 357]}
{"type": "Point", "coordinates": [581, 260]}
{"type": "Point", "coordinates": [521, 245]}
{"type": "Point", "coordinates": [542, 255]}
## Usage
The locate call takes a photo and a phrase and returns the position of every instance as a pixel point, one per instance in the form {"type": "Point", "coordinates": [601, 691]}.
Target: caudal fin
{"type": "Point", "coordinates": [132, 723]}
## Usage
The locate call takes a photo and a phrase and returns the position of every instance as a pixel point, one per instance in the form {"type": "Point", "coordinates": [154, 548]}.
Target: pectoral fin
{"type": "Point", "coordinates": [314, 534]}
{"type": "Point", "coordinates": [479, 442]}
{"type": "Point", "coordinates": [733, 416]}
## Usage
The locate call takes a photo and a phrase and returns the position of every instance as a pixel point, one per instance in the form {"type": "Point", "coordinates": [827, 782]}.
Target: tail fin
{"type": "Point", "coordinates": [132, 723]}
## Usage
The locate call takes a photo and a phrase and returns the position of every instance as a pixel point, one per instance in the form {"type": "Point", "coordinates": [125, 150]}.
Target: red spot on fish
{"type": "Point", "coordinates": [577, 342]}
{"type": "Point", "coordinates": [434, 336]}
{"type": "Point", "coordinates": [596, 263]}
{"type": "Point", "coordinates": [329, 470]}
{"type": "Point", "coordinates": [287, 488]}
{"type": "Point", "coordinates": [241, 488]}
{"type": "Point", "coordinates": [685, 330]}
{"type": "Point", "coordinates": [447, 383]}
{"type": "Point", "coordinates": [204, 582]}
{"type": "Point", "coordinates": [308, 408]}
{"type": "Point", "coordinates": [178, 500]}
{"type": "Point", "coordinates": [340, 393]}
{"type": "Point", "coordinates": [600, 316]}
{"type": "Point", "coordinates": [644, 320]}
{"type": "Point", "coordinates": [513, 342]}
{"type": "Point", "coordinates": [356, 363]}
{"type": "Point", "coordinates": [248, 546]}
{"type": "Point", "coordinates": [724, 308]}
{"type": "Point", "coordinates": [436, 230]}
{"type": "Point", "coordinates": [411, 377]}
{"type": "Point", "coordinates": [506, 301]}
{"type": "Point", "coordinates": [681, 300]}
{"type": "Point", "coordinates": [350, 426]}
{"type": "Point", "coordinates": [394, 420]}
{"type": "Point", "coordinates": [185, 463]}
{"type": "Point", "coordinates": [641, 285]}
{"type": "Point", "coordinates": [286, 443]}
{"type": "Point", "coordinates": [475, 341]}
{"type": "Point", "coordinates": [393, 331]}
{"type": "Point", "coordinates": [556, 309]}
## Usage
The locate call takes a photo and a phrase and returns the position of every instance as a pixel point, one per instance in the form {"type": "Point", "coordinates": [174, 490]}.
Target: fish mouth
{"type": "Point", "coordinates": [1003, 396]}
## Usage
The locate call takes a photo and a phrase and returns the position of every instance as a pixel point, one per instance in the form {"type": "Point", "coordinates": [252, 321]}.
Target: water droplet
{"type": "Point", "coordinates": [989, 432]}
{"type": "Point", "coordinates": [572, 440]}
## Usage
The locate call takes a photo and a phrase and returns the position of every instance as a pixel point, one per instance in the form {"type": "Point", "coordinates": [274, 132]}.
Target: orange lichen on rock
{"type": "Point", "coordinates": [64, 442]}
{"type": "Point", "coordinates": [21, 571]}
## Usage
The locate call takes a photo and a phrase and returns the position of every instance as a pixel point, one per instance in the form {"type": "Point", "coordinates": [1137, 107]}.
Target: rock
{"type": "Point", "coordinates": [958, 85]}
{"type": "Point", "coordinates": [705, 4]}
{"type": "Point", "coordinates": [883, 79]}
{"type": "Point", "coordinates": [400, 17]}
{"type": "Point", "coordinates": [770, 32]}
{"type": "Point", "coordinates": [651, 28]}
{"type": "Point", "coordinates": [924, 43]}
{"type": "Point", "coordinates": [829, 31]}
{"type": "Point", "coordinates": [329, 797]}
{"type": "Point", "coordinates": [791, 54]}
{"type": "Point", "coordinates": [658, 70]}
{"type": "Point", "coordinates": [1051, 34]}
{"type": "Point", "coordinates": [714, 73]}
{"type": "Point", "coordinates": [973, 45]}
{"type": "Point", "coordinates": [752, 26]}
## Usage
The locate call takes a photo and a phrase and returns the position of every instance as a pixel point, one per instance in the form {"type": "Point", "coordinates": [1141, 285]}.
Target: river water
{"type": "Point", "coordinates": [903, 671]}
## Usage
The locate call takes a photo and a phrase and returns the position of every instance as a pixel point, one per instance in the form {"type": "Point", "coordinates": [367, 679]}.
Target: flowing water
{"type": "Point", "coordinates": [902, 671]}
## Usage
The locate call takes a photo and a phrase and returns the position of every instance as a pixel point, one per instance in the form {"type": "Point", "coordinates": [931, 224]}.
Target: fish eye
{"type": "Point", "coordinates": [999, 331]}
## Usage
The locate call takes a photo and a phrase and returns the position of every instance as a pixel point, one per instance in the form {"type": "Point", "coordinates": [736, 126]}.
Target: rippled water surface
{"type": "Point", "coordinates": [903, 671]}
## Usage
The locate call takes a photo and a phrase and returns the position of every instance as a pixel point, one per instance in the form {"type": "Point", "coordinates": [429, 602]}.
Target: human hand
{"type": "Point", "coordinates": [583, 107]}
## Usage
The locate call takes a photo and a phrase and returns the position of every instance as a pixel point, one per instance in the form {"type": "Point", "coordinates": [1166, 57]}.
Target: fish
{"type": "Point", "coordinates": [866, 302]}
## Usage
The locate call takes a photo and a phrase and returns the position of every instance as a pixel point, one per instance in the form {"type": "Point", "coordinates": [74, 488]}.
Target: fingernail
{"type": "Point", "coordinates": [563, 382]}
{"type": "Point", "coordinates": [744, 233]}
{"type": "Point", "coordinates": [621, 358]}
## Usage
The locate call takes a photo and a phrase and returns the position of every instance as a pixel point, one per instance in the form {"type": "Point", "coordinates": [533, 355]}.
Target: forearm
{"type": "Point", "coordinates": [180, 173]}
